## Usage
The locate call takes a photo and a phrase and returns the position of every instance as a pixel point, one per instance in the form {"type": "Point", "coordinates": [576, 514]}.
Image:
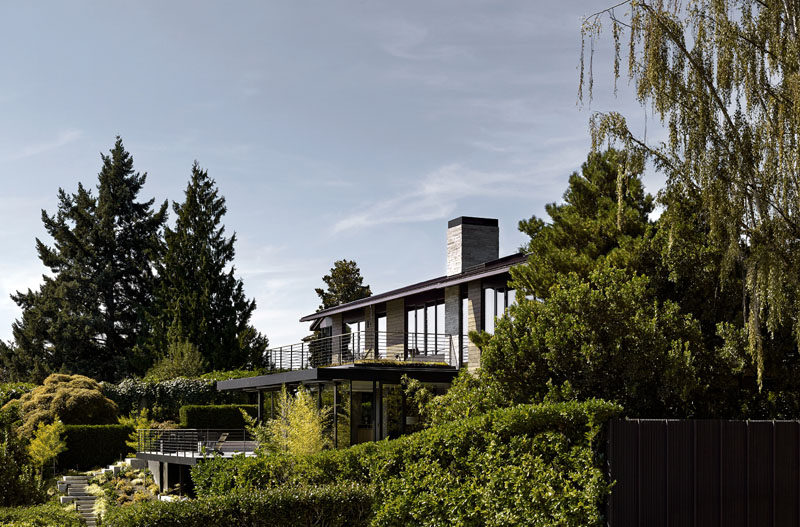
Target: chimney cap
{"type": "Point", "coordinates": [469, 220]}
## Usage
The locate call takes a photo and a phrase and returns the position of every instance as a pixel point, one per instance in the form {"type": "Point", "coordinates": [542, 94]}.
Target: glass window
{"type": "Point", "coordinates": [430, 328]}
{"type": "Point", "coordinates": [382, 340]}
{"type": "Point", "coordinates": [489, 309]}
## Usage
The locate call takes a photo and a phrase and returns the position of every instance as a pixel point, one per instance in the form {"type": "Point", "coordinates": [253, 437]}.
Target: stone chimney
{"type": "Point", "coordinates": [471, 242]}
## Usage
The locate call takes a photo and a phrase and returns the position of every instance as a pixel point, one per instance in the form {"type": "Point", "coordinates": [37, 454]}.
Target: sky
{"type": "Point", "coordinates": [348, 129]}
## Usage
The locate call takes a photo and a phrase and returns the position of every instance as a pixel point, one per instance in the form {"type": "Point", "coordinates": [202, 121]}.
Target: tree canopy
{"type": "Point", "coordinates": [200, 300]}
{"type": "Point", "coordinates": [89, 312]}
{"type": "Point", "coordinates": [344, 284]}
{"type": "Point", "coordinates": [722, 76]}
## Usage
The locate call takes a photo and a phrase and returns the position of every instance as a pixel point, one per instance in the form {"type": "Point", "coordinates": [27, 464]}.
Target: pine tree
{"type": "Point", "coordinates": [87, 316]}
{"type": "Point", "coordinates": [200, 299]}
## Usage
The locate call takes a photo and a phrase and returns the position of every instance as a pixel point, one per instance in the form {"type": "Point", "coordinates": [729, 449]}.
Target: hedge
{"type": "Point", "coordinates": [215, 416]}
{"type": "Point", "coordinates": [164, 399]}
{"type": "Point", "coordinates": [526, 465]}
{"type": "Point", "coordinates": [90, 446]}
{"type": "Point", "coordinates": [49, 514]}
{"type": "Point", "coordinates": [337, 505]}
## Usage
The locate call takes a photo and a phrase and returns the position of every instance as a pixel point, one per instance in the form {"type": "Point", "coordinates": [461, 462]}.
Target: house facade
{"type": "Point", "coordinates": [361, 350]}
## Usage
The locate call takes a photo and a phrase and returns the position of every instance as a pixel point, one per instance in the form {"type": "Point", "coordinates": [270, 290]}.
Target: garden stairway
{"type": "Point", "coordinates": [75, 489]}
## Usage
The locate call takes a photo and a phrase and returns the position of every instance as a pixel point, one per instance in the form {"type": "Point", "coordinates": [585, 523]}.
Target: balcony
{"type": "Point", "coordinates": [194, 443]}
{"type": "Point", "coordinates": [368, 348]}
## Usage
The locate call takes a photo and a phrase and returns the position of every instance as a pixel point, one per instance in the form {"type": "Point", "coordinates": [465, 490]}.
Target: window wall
{"type": "Point", "coordinates": [495, 302]}
{"type": "Point", "coordinates": [425, 327]}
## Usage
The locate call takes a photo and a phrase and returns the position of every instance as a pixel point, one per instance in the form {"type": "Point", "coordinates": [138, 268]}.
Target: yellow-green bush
{"type": "Point", "coordinates": [72, 399]}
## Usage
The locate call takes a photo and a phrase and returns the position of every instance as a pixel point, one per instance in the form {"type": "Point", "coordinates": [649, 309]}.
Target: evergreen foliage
{"type": "Point", "coordinates": [344, 284]}
{"type": "Point", "coordinates": [299, 426]}
{"type": "Point", "coordinates": [45, 515]}
{"type": "Point", "coordinates": [722, 78]}
{"type": "Point", "coordinates": [336, 505]}
{"type": "Point", "coordinates": [526, 465]}
{"type": "Point", "coordinates": [88, 314]}
{"type": "Point", "coordinates": [183, 359]}
{"type": "Point", "coordinates": [200, 299]}
{"type": "Point", "coordinates": [92, 446]}
{"type": "Point", "coordinates": [72, 399]}
{"type": "Point", "coordinates": [18, 482]}
{"type": "Point", "coordinates": [217, 416]}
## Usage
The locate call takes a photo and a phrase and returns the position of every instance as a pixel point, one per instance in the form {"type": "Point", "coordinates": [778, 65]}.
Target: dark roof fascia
{"type": "Point", "coordinates": [390, 374]}
{"type": "Point", "coordinates": [493, 268]}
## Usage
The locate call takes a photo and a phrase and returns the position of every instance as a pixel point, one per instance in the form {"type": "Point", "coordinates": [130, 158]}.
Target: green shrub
{"type": "Point", "coordinates": [72, 399]}
{"type": "Point", "coordinates": [90, 446]}
{"type": "Point", "coordinates": [225, 375]}
{"type": "Point", "coordinates": [164, 399]}
{"type": "Point", "coordinates": [14, 390]}
{"type": "Point", "coordinates": [18, 482]}
{"type": "Point", "coordinates": [332, 506]}
{"type": "Point", "coordinates": [47, 515]}
{"type": "Point", "coordinates": [215, 416]}
{"type": "Point", "coordinates": [525, 465]}
{"type": "Point", "coordinates": [182, 359]}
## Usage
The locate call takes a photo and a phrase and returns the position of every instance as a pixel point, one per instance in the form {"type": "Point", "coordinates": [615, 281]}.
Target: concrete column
{"type": "Point", "coordinates": [474, 320]}
{"type": "Point", "coordinates": [395, 329]}
{"type": "Point", "coordinates": [452, 322]}
{"type": "Point", "coordinates": [370, 329]}
{"type": "Point", "coordinates": [336, 347]}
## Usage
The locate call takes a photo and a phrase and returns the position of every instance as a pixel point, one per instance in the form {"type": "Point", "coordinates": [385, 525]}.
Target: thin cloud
{"type": "Point", "coordinates": [438, 195]}
{"type": "Point", "coordinates": [64, 138]}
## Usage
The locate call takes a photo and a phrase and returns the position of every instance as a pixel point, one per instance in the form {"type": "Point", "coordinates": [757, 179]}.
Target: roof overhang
{"type": "Point", "coordinates": [498, 267]}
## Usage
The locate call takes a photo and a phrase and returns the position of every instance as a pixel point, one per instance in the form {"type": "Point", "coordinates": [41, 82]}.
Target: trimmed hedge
{"type": "Point", "coordinates": [47, 515]}
{"type": "Point", "coordinates": [90, 446]}
{"type": "Point", "coordinates": [525, 465]}
{"type": "Point", "coordinates": [215, 415]}
{"type": "Point", "coordinates": [333, 506]}
{"type": "Point", "coordinates": [164, 399]}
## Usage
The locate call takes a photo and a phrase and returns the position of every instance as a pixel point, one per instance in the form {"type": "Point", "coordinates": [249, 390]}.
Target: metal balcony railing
{"type": "Point", "coordinates": [366, 346]}
{"type": "Point", "coordinates": [185, 442]}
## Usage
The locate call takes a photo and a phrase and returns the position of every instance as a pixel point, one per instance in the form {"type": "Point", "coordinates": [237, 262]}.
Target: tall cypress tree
{"type": "Point", "coordinates": [200, 299]}
{"type": "Point", "coordinates": [87, 317]}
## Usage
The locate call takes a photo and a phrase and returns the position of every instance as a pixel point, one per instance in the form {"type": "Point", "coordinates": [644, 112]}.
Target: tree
{"type": "Point", "coordinates": [200, 300]}
{"type": "Point", "coordinates": [722, 78]}
{"type": "Point", "coordinates": [344, 284]}
{"type": "Point", "coordinates": [182, 360]}
{"type": "Point", "coordinates": [299, 426]}
{"type": "Point", "coordinates": [604, 216]}
{"type": "Point", "coordinates": [607, 336]}
{"type": "Point", "coordinates": [88, 314]}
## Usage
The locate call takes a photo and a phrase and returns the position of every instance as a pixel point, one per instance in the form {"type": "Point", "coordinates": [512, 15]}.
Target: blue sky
{"type": "Point", "coordinates": [334, 129]}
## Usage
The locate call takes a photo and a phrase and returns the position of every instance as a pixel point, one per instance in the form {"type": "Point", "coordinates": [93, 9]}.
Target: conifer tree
{"type": "Point", "coordinates": [88, 314]}
{"type": "Point", "coordinates": [200, 299]}
{"type": "Point", "coordinates": [344, 284]}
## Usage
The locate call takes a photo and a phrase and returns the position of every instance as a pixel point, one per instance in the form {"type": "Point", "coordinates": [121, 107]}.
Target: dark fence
{"type": "Point", "coordinates": [704, 473]}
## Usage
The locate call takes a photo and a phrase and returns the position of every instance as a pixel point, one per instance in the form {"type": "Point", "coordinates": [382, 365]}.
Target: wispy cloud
{"type": "Point", "coordinates": [64, 138]}
{"type": "Point", "coordinates": [438, 195]}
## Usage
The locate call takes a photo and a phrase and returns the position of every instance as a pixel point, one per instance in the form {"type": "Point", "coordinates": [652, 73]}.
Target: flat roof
{"type": "Point", "coordinates": [354, 372]}
{"type": "Point", "coordinates": [495, 267]}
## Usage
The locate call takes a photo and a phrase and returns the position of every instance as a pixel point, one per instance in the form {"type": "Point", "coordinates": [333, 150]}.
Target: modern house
{"type": "Point", "coordinates": [361, 350]}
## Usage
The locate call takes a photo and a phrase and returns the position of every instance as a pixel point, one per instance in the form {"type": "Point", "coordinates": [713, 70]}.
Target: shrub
{"type": "Point", "coordinates": [215, 416]}
{"type": "Point", "coordinates": [333, 506]}
{"type": "Point", "coordinates": [18, 482]}
{"type": "Point", "coordinates": [183, 359]}
{"type": "Point", "coordinates": [525, 465]}
{"type": "Point", "coordinates": [90, 446]}
{"type": "Point", "coordinates": [224, 375]}
{"type": "Point", "coordinates": [299, 426]}
{"type": "Point", "coordinates": [72, 399]}
{"type": "Point", "coordinates": [44, 515]}
{"type": "Point", "coordinates": [164, 399]}
{"type": "Point", "coordinates": [47, 443]}
{"type": "Point", "coordinates": [14, 390]}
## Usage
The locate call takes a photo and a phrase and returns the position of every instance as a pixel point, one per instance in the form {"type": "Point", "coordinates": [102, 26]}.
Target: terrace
{"type": "Point", "coordinates": [373, 348]}
{"type": "Point", "coordinates": [193, 444]}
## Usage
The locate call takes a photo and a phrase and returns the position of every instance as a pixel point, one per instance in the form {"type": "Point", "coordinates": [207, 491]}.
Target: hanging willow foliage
{"type": "Point", "coordinates": [723, 76]}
